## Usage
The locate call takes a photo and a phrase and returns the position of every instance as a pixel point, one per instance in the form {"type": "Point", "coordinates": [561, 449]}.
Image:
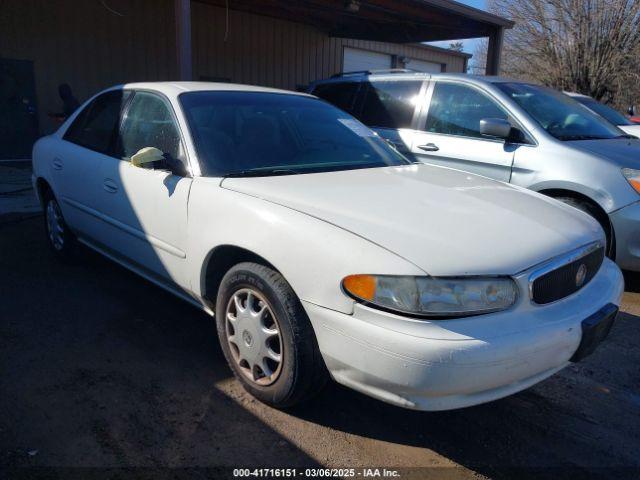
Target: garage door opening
{"type": "Point", "coordinates": [356, 59]}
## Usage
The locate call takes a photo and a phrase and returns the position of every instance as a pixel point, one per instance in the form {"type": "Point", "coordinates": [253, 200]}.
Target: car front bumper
{"type": "Point", "coordinates": [448, 364]}
{"type": "Point", "coordinates": [626, 226]}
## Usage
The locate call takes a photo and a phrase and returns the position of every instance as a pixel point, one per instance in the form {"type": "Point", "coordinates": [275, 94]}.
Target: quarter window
{"type": "Point", "coordinates": [457, 110]}
{"type": "Point", "coordinates": [97, 125]}
{"type": "Point", "coordinates": [149, 122]}
{"type": "Point", "coordinates": [390, 104]}
{"type": "Point", "coordinates": [339, 94]}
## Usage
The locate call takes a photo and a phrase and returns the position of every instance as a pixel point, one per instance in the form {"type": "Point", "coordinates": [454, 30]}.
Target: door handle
{"type": "Point", "coordinates": [57, 164]}
{"type": "Point", "coordinates": [110, 186]}
{"type": "Point", "coordinates": [429, 147]}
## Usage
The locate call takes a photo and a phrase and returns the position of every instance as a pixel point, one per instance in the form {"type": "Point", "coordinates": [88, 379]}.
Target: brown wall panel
{"type": "Point", "coordinates": [81, 43]}
{"type": "Point", "coordinates": [286, 54]}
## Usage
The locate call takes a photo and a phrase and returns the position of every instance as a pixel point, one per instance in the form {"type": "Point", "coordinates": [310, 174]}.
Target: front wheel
{"type": "Point", "coordinates": [267, 337]}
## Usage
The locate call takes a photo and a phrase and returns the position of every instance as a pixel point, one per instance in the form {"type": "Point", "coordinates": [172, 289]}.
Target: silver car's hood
{"type": "Point", "coordinates": [444, 221]}
{"type": "Point", "coordinates": [624, 152]}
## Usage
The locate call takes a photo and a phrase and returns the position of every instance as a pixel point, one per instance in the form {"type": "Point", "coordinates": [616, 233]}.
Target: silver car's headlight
{"type": "Point", "coordinates": [433, 296]}
{"type": "Point", "coordinates": [633, 177]}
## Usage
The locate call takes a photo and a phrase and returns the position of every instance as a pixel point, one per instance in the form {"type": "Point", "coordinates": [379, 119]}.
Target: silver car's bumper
{"type": "Point", "coordinates": [626, 225]}
{"type": "Point", "coordinates": [447, 364]}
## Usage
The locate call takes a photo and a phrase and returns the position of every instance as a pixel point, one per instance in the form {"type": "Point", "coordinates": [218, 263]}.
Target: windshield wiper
{"type": "Point", "coordinates": [258, 172]}
{"type": "Point", "coordinates": [581, 137]}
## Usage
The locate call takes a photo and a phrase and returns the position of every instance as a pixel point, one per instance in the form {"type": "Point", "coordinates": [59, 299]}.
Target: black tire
{"type": "Point", "coordinates": [302, 372]}
{"type": "Point", "coordinates": [62, 242]}
{"type": "Point", "coordinates": [601, 218]}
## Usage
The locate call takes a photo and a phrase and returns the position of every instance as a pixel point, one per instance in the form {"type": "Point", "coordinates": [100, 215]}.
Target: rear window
{"type": "Point", "coordinates": [96, 126]}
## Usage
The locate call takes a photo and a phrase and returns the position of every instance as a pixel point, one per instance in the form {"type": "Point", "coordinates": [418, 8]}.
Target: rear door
{"type": "Point", "coordinates": [389, 107]}
{"type": "Point", "coordinates": [449, 131]}
{"type": "Point", "coordinates": [75, 163]}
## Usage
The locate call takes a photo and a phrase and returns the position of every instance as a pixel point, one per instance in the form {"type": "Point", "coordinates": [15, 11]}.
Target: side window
{"type": "Point", "coordinates": [457, 110]}
{"type": "Point", "coordinates": [341, 95]}
{"type": "Point", "coordinates": [390, 104]}
{"type": "Point", "coordinates": [149, 122]}
{"type": "Point", "coordinates": [97, 125]}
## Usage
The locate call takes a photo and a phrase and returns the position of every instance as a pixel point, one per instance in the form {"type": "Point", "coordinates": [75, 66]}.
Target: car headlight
{"type": "Point", "coordinates": [433, 296]}
{"type": "Point", "coordinates": [633, 177]}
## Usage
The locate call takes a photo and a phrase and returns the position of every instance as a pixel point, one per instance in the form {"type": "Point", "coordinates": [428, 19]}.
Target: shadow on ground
{"type": "Point", "coordinates": [101, 368]}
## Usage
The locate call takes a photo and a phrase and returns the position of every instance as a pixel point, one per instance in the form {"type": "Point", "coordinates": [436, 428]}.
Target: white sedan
{"type": "Point", "coordinates": [323, 251]}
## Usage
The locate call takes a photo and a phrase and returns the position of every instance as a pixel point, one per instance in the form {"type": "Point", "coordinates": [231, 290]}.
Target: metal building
{"type": "Point", "coordinates": [91, 44]}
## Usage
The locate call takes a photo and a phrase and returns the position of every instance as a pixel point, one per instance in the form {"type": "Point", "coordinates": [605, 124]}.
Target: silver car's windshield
{"type": "Point", "coordinates": [258, 134]}
{"type": "Point", "coordinates": [559, 114]}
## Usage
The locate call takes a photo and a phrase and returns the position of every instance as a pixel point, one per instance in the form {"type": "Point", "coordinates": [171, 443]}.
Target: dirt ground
{"type": "Point", "coordinates": [99, 368]}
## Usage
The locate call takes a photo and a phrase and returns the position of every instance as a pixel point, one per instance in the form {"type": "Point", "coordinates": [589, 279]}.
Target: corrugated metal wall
{"type": "Point", "coordinates": [278, 53]}
{"type": "Point", "coordinates": [91, 44]}
{"type": "Point", "coordinates": [82, 43]}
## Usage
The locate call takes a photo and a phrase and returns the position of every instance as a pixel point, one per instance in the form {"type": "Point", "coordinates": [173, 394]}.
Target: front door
{"type": "Point", "coordinates": [146, 208]}
{"type": "Point", "coordinates": [449, 134]}
{"type": "Point", "coordinates": [18, 110]}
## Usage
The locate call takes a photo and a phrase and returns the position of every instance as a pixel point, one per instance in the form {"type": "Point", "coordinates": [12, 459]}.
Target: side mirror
{"type": "Point", "coordinates": [146, 155]}
{"type": "Point", "coordinates": [495, 127]}
{"type": "Point", "coordinates": [632, 110]}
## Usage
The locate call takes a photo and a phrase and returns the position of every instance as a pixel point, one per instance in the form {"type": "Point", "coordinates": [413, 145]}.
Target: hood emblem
{"type": "Point", "coordinates": [581, 275]}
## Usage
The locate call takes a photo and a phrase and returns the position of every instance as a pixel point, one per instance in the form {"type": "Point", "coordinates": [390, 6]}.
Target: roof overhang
{"type": "Point", "coordinates": [397, 21]}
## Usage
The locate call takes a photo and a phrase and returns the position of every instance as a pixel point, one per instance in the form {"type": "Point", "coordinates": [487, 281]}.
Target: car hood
{"type": "Point", "coordinates": [444, 221]}
{"type": "Point", "coordinates": [630, 129]}
{"type": "Point", "coordinates": [624, 152]}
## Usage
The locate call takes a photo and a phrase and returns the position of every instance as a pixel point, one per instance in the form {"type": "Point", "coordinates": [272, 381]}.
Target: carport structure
{"type": "Point", "coordinates": [92, 44]}
{"type": "Point", "coordinates": [389, 21]}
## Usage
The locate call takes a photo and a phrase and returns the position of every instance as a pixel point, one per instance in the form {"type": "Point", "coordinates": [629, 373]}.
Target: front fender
{"type": "Point", "coordinates": [600, 196]}
{"type": "Point", "coordinates": [313, 255]}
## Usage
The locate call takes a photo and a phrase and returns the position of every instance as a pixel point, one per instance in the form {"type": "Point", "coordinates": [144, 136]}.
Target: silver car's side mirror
{"type": "Point", "coordinates": [146, 155]}
{"type": "Point", "coordinates": [495, 127]}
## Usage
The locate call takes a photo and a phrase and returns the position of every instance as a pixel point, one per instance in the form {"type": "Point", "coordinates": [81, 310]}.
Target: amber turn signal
{"type": "Point", "coordinates": [360, 286]}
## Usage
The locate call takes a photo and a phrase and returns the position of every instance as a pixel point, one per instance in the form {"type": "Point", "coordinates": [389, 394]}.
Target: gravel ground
{"type": "Point", "coordinates": [100, 369]}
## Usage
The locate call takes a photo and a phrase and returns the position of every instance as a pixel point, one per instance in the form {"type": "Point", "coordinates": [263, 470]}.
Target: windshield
{"type": "Point", "coordinates": [559, 114]}
{"type": "Point", "coordinates": [255, 134]}
{"type": "Point", "coordinates": [605, 111]}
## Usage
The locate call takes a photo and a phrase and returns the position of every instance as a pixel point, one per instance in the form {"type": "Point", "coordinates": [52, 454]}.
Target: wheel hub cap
{"type": "Point", "coordinates": [54, 225]}
{"type": "Point", "coordinates": [254, 338]}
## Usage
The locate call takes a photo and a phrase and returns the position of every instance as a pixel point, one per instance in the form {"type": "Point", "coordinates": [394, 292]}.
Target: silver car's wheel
{"type": "Point", "coordinates": [254, 337]}
{"type": "Point", "coordinates": [55, 225]}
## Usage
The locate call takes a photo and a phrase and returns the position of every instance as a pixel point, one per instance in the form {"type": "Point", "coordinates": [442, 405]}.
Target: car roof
{"type": "Point", "coordinates": [576, 95]}
{"type": "Point", "coordinates": [176, 88]}
{"type": "Point", "coordinates": [410, 75]}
